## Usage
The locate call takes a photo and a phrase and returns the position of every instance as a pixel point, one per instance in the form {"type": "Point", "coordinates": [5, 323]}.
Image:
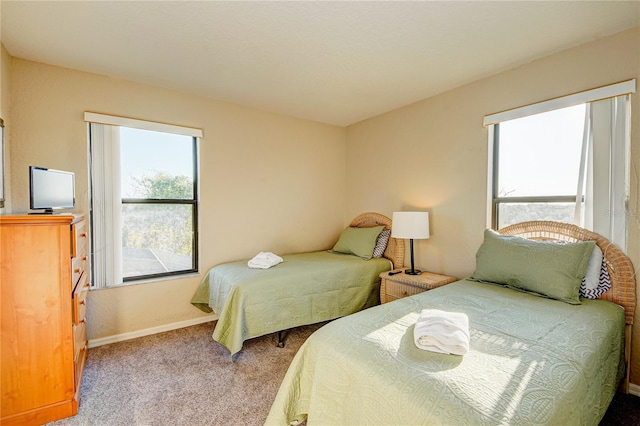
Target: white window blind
{"type": "Point", "coordinates": [605, 92]}
{"type": "Point", "coordinates": [106, 205]}
{"type": "Point", "coordinates": [114, 120]}
{"type": "Point", "coordinates": [607, 186]}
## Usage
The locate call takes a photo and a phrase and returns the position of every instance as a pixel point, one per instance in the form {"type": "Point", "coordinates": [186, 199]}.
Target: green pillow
{"type": "Point", "coordinates": [547, 268]}
{"type": "Point", "coordinates": [358, 241]}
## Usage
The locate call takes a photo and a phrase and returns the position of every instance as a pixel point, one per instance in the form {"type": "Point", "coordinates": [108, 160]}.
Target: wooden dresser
{"type": "Point", "coordinates": [44, 281]}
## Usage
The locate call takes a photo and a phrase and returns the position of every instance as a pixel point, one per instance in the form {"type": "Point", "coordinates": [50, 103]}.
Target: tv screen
{"type": "Point", "coordinates": [50, 189]}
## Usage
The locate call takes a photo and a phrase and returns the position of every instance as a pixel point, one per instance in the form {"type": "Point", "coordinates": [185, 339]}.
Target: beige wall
{"type": "Point", "coordinates": [432, 155]}
{"type": "Point", "coordinates": [268, 182]}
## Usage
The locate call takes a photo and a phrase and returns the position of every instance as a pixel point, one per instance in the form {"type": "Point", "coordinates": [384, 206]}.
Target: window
{"type": "Point", "coordinates": [144, 204]}
{"type": "Point", "coordinates": [564, 160]}
{"type": "Point", "coordinates": [537, 169]}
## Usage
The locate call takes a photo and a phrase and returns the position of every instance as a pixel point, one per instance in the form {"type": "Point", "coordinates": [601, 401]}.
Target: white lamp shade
{"type": "Point", "coordinates": [410, 225]}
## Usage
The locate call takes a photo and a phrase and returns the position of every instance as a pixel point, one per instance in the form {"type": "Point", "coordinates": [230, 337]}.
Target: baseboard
{"type": "Point", "coordinates": [634, 389]}
{"type": "Point", "coordinates": [149, 331]}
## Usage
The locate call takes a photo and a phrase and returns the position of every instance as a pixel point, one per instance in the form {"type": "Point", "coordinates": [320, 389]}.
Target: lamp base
{"type": "Point", "coordinates": [412, 272]}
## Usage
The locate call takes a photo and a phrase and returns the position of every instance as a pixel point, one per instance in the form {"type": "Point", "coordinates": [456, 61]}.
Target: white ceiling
{"type": "Point", "coordinates": [333, 62]}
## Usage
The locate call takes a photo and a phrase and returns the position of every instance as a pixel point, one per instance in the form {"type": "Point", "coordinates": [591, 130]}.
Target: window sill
{"type": "Point", "coordinates": [150, 280]}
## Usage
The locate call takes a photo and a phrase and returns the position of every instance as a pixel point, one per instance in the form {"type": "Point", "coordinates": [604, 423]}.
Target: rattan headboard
{"type": "Point", "coordinates": [619, 266]}
{"type": "Point", "coordinates": [395, 247]}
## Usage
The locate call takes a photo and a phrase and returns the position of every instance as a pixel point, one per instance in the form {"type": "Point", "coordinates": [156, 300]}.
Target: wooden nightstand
{"type": "Point", "coordinates": [401, 285]}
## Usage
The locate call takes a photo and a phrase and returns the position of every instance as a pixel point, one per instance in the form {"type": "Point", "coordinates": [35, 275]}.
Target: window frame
{"type": "Point", "coordinates": [111, 275]}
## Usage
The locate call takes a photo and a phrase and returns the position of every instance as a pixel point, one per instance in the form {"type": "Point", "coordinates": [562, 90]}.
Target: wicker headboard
{"type": "Point", "coordinates": [619, 266]}
{"type": "Point", "coordinates": [395, 248]}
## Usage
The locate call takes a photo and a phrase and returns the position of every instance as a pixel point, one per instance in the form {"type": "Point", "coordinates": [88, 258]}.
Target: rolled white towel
{"type": "Point", "coordinates": [441, 331]}
{"type": "Point", "coordinates": [264, 260]}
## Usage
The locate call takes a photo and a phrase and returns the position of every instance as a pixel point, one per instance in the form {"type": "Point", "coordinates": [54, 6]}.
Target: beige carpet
{"type": "Point", "coordinates": [183, 377]}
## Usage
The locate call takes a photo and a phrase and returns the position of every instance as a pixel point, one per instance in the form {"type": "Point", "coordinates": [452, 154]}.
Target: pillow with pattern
{"type": "Point", "coordinates": [592, 276]}
{"type": "Point", "coordinates": [588, 290]}
{"type": "Point", "coordinates": [381, 243]}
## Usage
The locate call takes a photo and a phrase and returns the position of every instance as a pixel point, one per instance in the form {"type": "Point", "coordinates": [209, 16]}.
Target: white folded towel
{"type": "Point", "coordinates": [444, 332]}
{"type": "Point", "coordinates": [264, 260]}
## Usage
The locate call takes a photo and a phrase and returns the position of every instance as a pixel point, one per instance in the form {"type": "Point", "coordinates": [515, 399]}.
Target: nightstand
{"type": "Point", "coordinates": [401, 285]}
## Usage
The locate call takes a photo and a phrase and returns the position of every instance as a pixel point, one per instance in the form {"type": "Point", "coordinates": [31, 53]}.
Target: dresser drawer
{"type": "Point", "coordinates": [397, 284]}
{"type": "Point", "coordinates": [78, 267]}
{"type": "Point", "coordinates": [79, 238]}
{"type": "Point", "coordinates": [79, 242]}
{"type": "Point", "coordinates": [390, 298]}
{"type": "Point", "coordinates": [80, 299]}
{"type": "Point", "coordinates": [79, 368]}
{"type": "Point", "coordinates": [398, 290]}
{"type": "Point", "coordinates": [79, 339]}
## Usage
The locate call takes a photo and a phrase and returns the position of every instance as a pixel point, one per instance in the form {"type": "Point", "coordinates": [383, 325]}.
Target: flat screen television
{"type": "Point", "coordinates": [51, 189]}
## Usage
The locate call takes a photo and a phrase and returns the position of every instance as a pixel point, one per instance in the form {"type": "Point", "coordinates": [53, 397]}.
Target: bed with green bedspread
{"type": "Point", "coordinates": [532, 361]}
{"type": "Point", "coordinates": [306, 288]}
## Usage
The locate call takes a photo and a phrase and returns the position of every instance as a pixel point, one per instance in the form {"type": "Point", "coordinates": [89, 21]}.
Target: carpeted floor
{"type": "Point", "coordinates": [183, 377]}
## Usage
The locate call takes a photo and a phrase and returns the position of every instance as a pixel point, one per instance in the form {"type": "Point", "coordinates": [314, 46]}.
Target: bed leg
{"type": "Point", "coordinates": [280, 342]}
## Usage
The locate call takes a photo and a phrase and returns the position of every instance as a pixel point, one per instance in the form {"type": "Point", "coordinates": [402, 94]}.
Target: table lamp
{"type": "Point", "coordinates": [411, 226]}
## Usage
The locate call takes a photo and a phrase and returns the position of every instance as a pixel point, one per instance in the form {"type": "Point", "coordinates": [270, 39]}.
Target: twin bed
{"type": "Point", "coordinates": [532, 359]}
{"type": "Point", "coordinates": [306, 288]}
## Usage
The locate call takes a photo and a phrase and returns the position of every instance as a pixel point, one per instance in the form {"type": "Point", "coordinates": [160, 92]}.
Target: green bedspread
{"type": "Point", "coordinates": [532, 361]}
{"type": "Point", "coordinates": [306, 288]}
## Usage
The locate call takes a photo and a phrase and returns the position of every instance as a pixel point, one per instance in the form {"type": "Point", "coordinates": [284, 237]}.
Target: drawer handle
{"type": "Point", "coordinates": [84, 302]}
{"type": "Point", "coordinates": [83, 235]}
{"type": "Point", "coordinates": [76, 271]}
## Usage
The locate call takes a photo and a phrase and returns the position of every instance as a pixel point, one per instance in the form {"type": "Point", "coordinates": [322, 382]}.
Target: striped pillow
{"type": "Point", "coordinates": [381, 243]}
{"type": "Point", "coordinates": [604, 284]}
